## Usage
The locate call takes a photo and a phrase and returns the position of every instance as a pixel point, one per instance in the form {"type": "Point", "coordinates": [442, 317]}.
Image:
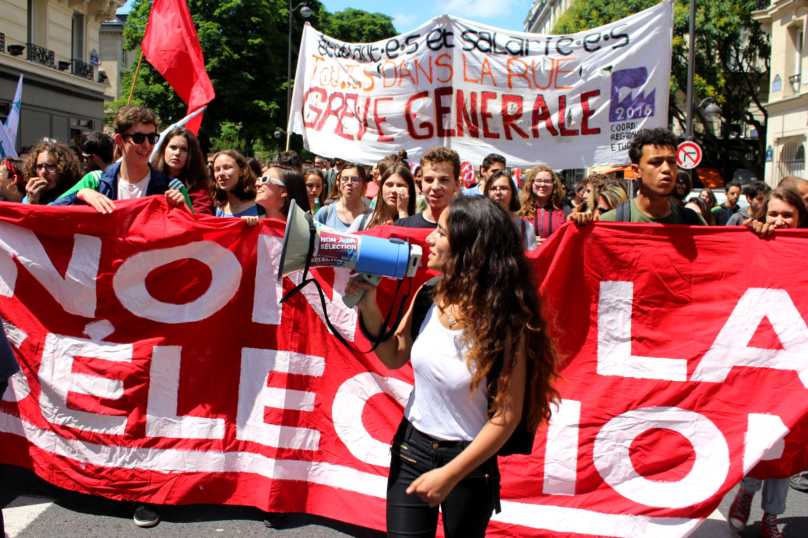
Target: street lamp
{"type": "Point", "coordinates": [305, 12]}
{"type": "Point", "coordinates": [713, 111]}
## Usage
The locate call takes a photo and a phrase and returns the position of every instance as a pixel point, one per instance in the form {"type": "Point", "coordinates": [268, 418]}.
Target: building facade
{"type": "Point", "coordinates": [115, 59]}
{"type": "Point", "coordinates": [544, 15]}
{"type": "Point", "coordinates": [787, 131]}
{"type": "Point", "coordinates": [54, 44]}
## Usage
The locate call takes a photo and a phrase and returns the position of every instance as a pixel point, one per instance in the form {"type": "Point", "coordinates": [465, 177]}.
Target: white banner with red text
{"type": "Point", "coordinates": [570, 101]}
{"type": "Point", "coordinates": [157, 365]}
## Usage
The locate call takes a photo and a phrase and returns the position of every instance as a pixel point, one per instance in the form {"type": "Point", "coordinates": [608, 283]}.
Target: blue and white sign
{"type": "Point", "coordinates": [769, 154]}
{"type": "Point", "coordinates": [777, 85]}
{"type": "Point", "coordinates": [94, 58]}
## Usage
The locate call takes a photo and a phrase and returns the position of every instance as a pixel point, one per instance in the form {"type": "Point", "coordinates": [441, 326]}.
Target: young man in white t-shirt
{"type": "Point", "coordinates": [132, 177]}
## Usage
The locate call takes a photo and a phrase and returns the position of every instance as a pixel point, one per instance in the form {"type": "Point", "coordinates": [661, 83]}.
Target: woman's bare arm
{"type": "Point", "coordinates": [395, 352]}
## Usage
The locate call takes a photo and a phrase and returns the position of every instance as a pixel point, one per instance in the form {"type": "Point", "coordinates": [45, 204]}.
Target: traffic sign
{"type": "Point", "coordinates": [688, 156]}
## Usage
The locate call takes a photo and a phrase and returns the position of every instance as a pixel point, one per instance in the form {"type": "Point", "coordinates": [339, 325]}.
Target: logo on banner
{"type": "Point", "coordinates": [467, 171]}
{"type": "Point", "coordinates": [336, 249]}
{"type": "Point", "coordinates": [624, 104]}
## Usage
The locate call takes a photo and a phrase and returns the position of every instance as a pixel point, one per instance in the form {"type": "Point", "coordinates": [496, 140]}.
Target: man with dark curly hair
{"type": "Point", "coordinates": [653, 161]}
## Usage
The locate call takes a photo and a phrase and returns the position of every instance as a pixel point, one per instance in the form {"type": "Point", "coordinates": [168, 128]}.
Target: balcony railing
{"type": "Point", "coordinates": [41, 55]}
{"type": "Point", "coordinates": [3, 43]}
{"type": "Point", "coordinates": [81, 69]}
{"type": "Point", "coordinates": [795, 83]}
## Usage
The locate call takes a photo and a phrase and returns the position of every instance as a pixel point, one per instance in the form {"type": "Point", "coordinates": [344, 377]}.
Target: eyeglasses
{"type": "Point", "coordinates": [355, 179]}
{"type": "Point", "coordinates": [263, 180]}
{"type": "Point", "coordinates": [680, 182]}
{"type": "Point", "coordinates": [543, 181]}
{"type": "Point", "coordinates": [46, 166]}
{"type": "Point", "coordinates": [498, 189]}
{"type": "Point", "coordinates": [86, 155]}
{"type": "Point", "coordinates": [138, 138]}
{"type": "Point", "coordinates": [603, 210]}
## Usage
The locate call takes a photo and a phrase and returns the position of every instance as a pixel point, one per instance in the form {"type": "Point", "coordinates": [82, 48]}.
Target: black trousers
{"type": "Point", "coordinates": [466, 510]}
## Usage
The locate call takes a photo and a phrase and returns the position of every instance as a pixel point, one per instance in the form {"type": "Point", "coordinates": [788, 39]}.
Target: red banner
{"type": "Point", "coordinates": [159, 366]}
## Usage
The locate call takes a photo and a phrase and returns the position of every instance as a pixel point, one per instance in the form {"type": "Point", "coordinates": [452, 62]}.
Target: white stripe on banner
{"type": "Point", "coordinates": [545, 517]}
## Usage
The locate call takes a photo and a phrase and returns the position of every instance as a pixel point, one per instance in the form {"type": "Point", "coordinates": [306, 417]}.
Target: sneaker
{"type": "Point", "coordinates": [739, 510]}
{"type": "Point", "coordinates": [145, 517]}
{"type": "Point", "coordinates": [800, 482]}
{"type": "Point", "coordinates": [768, 527]}
{"type": "Point", "coordinates": [275, 520]}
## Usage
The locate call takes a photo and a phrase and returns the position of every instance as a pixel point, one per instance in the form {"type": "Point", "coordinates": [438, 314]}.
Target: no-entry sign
{"type": "Point", "coordinates": [688, 155]}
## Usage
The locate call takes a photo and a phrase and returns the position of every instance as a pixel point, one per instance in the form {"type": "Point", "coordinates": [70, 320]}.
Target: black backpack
{"type": "Point", "coordinates": [690, 217]}
{"type": "Point", "coordinates": [521, 440]}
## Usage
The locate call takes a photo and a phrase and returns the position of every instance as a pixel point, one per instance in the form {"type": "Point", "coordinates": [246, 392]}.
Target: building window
{"type": "Point", "coordinates": [31, 21]}
{"type": "Point", "coordinates": [78, 36]}
{"type": "Point", "coordinates": [792, 160]}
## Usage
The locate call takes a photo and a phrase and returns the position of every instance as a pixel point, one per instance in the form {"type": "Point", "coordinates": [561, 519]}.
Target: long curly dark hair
{"type": "Point", "coordinates": [492, 282]}
{"type": "Point", "coordinates": [66, 165]}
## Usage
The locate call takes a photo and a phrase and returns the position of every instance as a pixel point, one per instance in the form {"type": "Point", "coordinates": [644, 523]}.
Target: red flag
{"type": "Point", "coordinates": [172, 47]}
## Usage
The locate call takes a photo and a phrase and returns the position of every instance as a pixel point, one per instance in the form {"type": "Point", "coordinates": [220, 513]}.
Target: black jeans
{"type": "Point", "coordinates": [466, 510]}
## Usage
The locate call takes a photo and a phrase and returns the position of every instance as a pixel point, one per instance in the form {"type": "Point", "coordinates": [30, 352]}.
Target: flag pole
{"type": "Point", "coordinates": [137, 70]}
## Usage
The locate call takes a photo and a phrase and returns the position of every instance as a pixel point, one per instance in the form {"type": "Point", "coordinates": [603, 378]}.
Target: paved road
{"type": "Point", "coordinates": [35, 509]}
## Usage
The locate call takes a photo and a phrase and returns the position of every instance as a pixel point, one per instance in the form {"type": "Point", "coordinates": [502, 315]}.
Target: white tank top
{"type": "Point", "coordinates": [439, 404]}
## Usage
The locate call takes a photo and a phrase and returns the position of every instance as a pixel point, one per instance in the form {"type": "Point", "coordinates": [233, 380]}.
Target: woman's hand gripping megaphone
{"type": "Point", "coordinates": [361, 288]}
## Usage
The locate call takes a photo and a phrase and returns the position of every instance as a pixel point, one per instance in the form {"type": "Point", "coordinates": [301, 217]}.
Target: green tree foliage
{"type": "Point", "coordinates": [357, 26]}
{"type": "Point", "coordinates": [732, 65]}
{"type": "Point", "coordinates": [245, 45]}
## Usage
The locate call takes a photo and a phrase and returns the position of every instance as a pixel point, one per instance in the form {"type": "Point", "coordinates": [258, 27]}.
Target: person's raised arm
{"type": "Point", "coordinates": [434, 486]}
{"type": "Point", "coordinates": [395, 352]}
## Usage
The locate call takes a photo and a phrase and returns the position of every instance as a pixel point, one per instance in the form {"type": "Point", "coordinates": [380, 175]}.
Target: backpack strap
{"type": "Point", "coordinates": [623, 212]}
{"type": "Point", "coordinates": [363, 221]}
{"type": "Point", "coordinates": [567, 210]}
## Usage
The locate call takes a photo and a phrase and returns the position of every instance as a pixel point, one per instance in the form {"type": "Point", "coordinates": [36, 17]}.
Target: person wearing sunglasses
{"type": "Point", "coordinates": [51, 168]}
{"type": "Point", "coordinates": [276, 189]}
{"type": "Point", "coordinates": [606, 196]}
{"type": "Point", "coordinates": [133, 176]}
{"type": "Point", "coordinates": [352, 182]}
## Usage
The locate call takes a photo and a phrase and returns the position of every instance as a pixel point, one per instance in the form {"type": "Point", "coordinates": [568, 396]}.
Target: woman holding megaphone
{"type": "Point", "coordinates": [484, 370]}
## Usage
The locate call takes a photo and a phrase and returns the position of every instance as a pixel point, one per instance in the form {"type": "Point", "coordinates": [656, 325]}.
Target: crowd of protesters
{"type": "Point", "coordinates": [351, 197]}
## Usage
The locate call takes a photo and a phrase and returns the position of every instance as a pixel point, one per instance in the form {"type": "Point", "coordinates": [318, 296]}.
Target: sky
{"type": "Point", "coordinates": [410, 14]}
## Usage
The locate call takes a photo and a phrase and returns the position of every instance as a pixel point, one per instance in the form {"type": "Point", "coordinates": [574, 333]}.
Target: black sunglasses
{"type": "Point", "coordinates": [138, 138]}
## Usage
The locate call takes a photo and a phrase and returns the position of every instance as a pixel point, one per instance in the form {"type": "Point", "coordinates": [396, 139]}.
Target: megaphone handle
{"type": "Point", "coordinates": [351, 301]}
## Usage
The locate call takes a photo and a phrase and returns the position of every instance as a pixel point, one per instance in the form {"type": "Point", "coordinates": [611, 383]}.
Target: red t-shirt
{"type": "Point", "coordinates": [546, 221]}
